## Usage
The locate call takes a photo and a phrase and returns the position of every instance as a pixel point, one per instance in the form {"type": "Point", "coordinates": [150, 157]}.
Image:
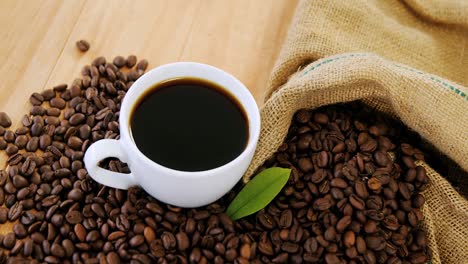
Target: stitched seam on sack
{"type": "Point", "coordinates": [445, 85]}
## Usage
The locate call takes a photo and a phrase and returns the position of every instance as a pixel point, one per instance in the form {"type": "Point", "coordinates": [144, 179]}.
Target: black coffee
{"type": "Point", "coordinates": [189, 124]}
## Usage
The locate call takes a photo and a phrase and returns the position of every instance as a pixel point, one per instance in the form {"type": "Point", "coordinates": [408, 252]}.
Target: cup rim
{"type": "Point", "coordinates": [253, 121]}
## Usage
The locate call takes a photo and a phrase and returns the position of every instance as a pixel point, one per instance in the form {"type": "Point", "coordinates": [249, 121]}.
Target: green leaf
{"type": "Point", "coordinates": [258, 193]}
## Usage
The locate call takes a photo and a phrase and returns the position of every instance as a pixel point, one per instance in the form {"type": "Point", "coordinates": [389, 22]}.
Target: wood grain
{"type": "Point", "coordinates": [33, 35]}
{"type": "Point", "coordinates": [38, 49]}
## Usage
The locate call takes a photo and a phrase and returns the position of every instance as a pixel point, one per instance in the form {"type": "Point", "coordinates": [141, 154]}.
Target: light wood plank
{"type": "Point", "coordinates": [33, 35]}
{"type": "Point", "coordinates": [242, 37]}
{"type": "Point", "coordinates": [151, 29]}
{"type": "Point", "coordinates": [38, 50]}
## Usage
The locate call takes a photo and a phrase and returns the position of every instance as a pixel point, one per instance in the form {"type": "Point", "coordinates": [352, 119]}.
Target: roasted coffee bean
{"type": "Point", "coordinates": [289, 247]}
{"type": "Point", "coordinates": [413, 217]}
{"type": "Point", "coordinates": [339, 183]}
{"type": "Point", "coordinates": [10, 187]}
{"type": "Point", "coordinates": [370, 227]}
{"type": "Point", "coordinates": [361, 245]}
{"type": "Point", "coordinates": [57, 250]}
{"type": "Point", "coordinates": [98, 210]}
{"type": "Point", "coordinates": [322, 159]}
{"type": "Point", "coordinates": [418, 201]}
{"type": "Point", "coordinates": [15, 212]}
{"type": "Point", "coordinates": [356, 202]}
{"type": "Point", "coordinates": [330, 233]}
{"type": "Point", "coordinates": [77, 119]}
{"type": "Point", "coordinates": [3, 144]}
{"type": "Point", "coordinates": [336, 193]}
{"type": "Point", "coordinates": [375, 215]}
{"type": "Point", "coordinates": [28, 247]}
{"type": "Point", "coordinates": [21, 141]}
{"type": "Point", "coordinates": [286, 219]}
{"type": "Point", "coordinates": [75, 91]}
{"type": "Point", "coordinates": [75, 194]}
{"type": "Point", "coordinates": [361, 190]}
{"type": "Point", "coordinates": [57, 219]}
{"type": "Point", "coordinates": [17, 248]}
{"type": "Point", "coordinates": [52, 120]}
{"type": "Point", "coordinates": [407, 149]}
{"type": "Point", "coordinates": [322, 204]}
{"type": "Point", "coordinates": [131, 61]}
{"type": "Point", "coordinates": [68, 247]}
{"type": "Point", "coordinates": [9, 136]}
{"type": "Point", "coordinates": [92, 236]}
{"type": "Point", "coordinates": [404, 190]}
{"type": "Point", "coordinates": [33, 144]}
{"type": "Point", "coordinates": [374, 184]}
{"type": "Point", "coordinates": [343, 223]}
{"type": "Point", "coordinates": [37, 110]}
{"type": "Point", "coordinates": [19, 230]}
{"type": "Point", "coordinates": [115, 235]}
{"type": "Point", "coordinates": [408, 161]}
{"type": "Point", "coordinates": [331, 258]}
{"type": "Point", "coordinates": [374, 202]}
{"type": "Point", "coordinates": [83, 45]}
{"type": "Point", "coordinates": [75, 143]}
{"type": "Point", "coordinates": [349, 239]}
{"type": "Point", "coordinates": [36, 129]}
{"type": "Point", "coordinates": [375, 242]}
{"type": "Point", "coordinates": [318, 176]}
{"type": "Point", "coordinates": [80, 232]}
{"type": "Point", "coordinates": [53, 112]}
{"type": "Point", "coordinates": [22, 131]}
{"type": "Point", "coordinates": [48, 94]}
{"type": "Point", "coordinates": [3, 177]}
{"type": "Point", "coordinates": [36, 99]}
{"type": "Point", "coordinates": [133, 75]}
{"type": "Point", "coordinates": [171, 217]}
{"type": "Point", "coordinates": [23, 193]}
{"type": "Point", "coordinates": [5, 120]}
{"type": "Point", "coordinates": [28, 167]}
{"type": "Point", "coordinates": [321, 118]}
{"type": "Point", "coordinates": [421, 175]}
{"type": "Point", "coordinates": [169, 240]}
{"type": "Point", "coordinates": [369, 257]}
{"type": "Point", "coordinates": [119, 61]}
{"type": "Point", "coordinates": [142, 65]}
{"type": "Point", "coordinates": [305, 164]}
{"type": "Point", "coordinates": [381, 158]}
{"type": "Point", "coordinates": [58, 102]}
{"type": "Point", "coordinates": [9, 240]}
{"type": "Point", "coordinates": [183, 241]}
{"type": "Point", "coordinates": [74, 217]}
{"type": "Point", "coordinates": [3, 215]}
{"type": "Point", "coordinates": [15, 159]}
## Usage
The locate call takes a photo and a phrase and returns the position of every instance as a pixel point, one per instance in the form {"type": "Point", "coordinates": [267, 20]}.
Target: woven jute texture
{"type": "Point", "coordinates": [406, 59]}
{"type": "Point", "coordinates": [429, 35]}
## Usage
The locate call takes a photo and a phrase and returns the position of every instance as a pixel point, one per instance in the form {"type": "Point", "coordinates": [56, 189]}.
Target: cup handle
{"type": "Point", "coordinates": [106, 148]}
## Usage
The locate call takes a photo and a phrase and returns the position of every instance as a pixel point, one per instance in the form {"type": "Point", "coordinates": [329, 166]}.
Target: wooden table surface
{"type": "Point", "coordinates": [37, 40]}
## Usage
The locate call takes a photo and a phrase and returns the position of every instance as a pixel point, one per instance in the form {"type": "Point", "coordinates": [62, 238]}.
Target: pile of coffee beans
{"type": "Point", "coordinates": [352, 196]}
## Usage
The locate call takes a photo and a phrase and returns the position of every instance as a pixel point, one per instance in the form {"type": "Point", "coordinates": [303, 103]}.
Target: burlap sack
{"type": "Point", "coordinates": [431, 105]}
{"type": "Point", "coordinates": [429, 35]}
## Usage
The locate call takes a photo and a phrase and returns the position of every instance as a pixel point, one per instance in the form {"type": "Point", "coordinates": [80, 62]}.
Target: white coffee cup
{"type": "Point", "coordinates": [180, 188]}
